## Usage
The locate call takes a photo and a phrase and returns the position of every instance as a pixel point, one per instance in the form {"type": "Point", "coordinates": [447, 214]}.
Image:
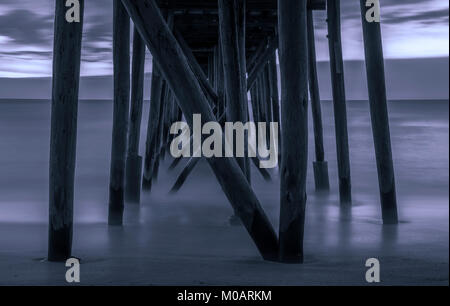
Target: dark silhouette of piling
{"type": "Point", "coordinates": [121, 58]}
{"type": "Point", "coordinates": [66, 76]}
{"type": "Point", "coordinates": [340, 111]}
{"type": "Point", "coordinates": [134, 161]}
{"type": "Point", "coordinates": [275, 97]}
{"type": "Point", "coordinates": [151, 151]}
{"type": "Point", "coordinates": [241, 10]}
{"type": "Point", "coordinates": [320, 165]}
{"type": "Point", "coordinates": [379, 115]}
{"type": "Point", "coordinates": [294, 117]}
{"type": "Point", "coordinates": [229, 38]}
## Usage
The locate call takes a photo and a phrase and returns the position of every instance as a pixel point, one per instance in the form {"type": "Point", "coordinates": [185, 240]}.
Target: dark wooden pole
{"type": "Point", "coordinates": [262, 98]}
{"type": "Point", "coordinates": [211, 69]}
{"type": "Point", "coordinates": [267, 101]}
{"type": "Point", "coordinates": [379, 115]}
{"type": "Point", "coordinates": [220, 83]}
{"type": "Point", "coordinates": [121, 58]}
{"type": "Point", "coordinates": [232, 65]}
{"type": "Point", "coordinates": [241, 10]}
{"type": "Point", "coordinates": [134, 161]}
{"type": "Point", "coordinates": [320, 165]}
{"type": "Point", "coordinates": [182, 81]}
{"type": "Point", "coordinates": [340, 111]}
{"type": "Point", "coordinates": [166, 122]}
{"type": "Point", "coordinates": [159, 139]}
{"type": "Point", "coordinates": [275, 97]}
{"type": "Point", "coordinates": [66, 76]}
{"type": "Point", "coordinates": [151, 153]}
{"type": "Point", "coordinates": [294, 117]}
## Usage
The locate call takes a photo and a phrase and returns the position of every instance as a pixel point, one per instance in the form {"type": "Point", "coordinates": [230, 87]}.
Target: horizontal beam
{"type": "Point", "coordinates": [202, 6]}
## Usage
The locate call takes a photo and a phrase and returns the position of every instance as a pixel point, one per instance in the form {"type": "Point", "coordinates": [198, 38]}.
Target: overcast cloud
{"type": "Point", "coordinates": [412, 29]}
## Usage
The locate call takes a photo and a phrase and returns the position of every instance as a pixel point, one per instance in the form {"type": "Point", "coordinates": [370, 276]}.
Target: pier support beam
{"type": "Point", "coordinates": [320, 165]}
{"type": "Point", "coordinates": [66, 77]}
{"type": "Point", "coordinates": [229, 38]}
{"type": "Point", "coordinates": [274, 94]}
{"type": "Point", "coordinates": [294, 117]}
{"type": "Point", "coordinates": [379, 115]}
{"type": "Point", "coordinates": [340, 110]}
{"type": "Point", "coordinates": [134, 161]}
{"type": "Point", "coordinates": [182, 81]}
{"type": "Point", "coordinates": [151, 151]}
{"type": "Point", "coordinates": [241, 9]}
{"type": "Point", "coordinates": [121, 58]}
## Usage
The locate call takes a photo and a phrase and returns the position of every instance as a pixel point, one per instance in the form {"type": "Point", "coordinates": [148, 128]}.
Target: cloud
{"type": "Point", "coordinates": [414, 28]}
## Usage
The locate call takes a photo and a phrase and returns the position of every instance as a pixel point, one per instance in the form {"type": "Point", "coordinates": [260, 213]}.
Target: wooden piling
{"type": "Point", "coordinates": [191, 99]}
{"type": "Point", "coordinates": [261, 97]}
{"type": "Point", "coordinates": [379, 115]}
{"type": "Point", "coordinates": [294, 118]}
{"type": "Point", "coordinates": [320, 165]}
{"type": "Point", "coordinates": [340, 111]}
{"type": "Point", "coordinates": [267, 101]}
{"type": "Point", "coordinates": [275, 97]}
{"type": "Point", "coordinates": [241, 10]}
{"type": "Point", "coordinates": [151, 153]}
{"type": "Point", "coordinates": [220, 83]}
{"type": "Point", "coordinates": [121, 58]}
{"type": "Point", "coordinates": [229, 38]}
{"type": "Point", "coordinates": [66, 76]}
{"type": "Point", "coordinates": [134, 161]}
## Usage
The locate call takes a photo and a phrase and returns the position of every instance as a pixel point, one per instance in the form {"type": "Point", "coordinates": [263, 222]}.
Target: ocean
{"type": "Point", "coordinates": [185, 239]}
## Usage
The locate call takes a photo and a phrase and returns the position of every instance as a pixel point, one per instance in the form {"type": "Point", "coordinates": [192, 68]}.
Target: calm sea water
{"type": "Point", "coordinates": [420, 139]}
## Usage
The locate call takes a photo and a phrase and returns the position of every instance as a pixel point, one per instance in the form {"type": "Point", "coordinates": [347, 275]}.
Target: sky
{"type": "Point", "coordinates": [414, 29]}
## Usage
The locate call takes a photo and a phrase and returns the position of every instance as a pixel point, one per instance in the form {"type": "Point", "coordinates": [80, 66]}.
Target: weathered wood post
{"type": "Point", "coordinates": [219, 82]}
{"type": "Point", "coordinates": [294, 117]}
{"type": "Point", "coordinates": [159, 139]}
{"type": "Point", "coordinates": [121, 58]}
{"type": "Point", "coordinates": [175, 69]}
{"type": "Point", "coordinates": [221, 102]}
{"type": "Point", "coordinates": [134, 161]}
{"type": "Point", "coordinates": [267, 101]}
{"type": "Point", "coordinates": [166, 122]}
{"type": "Point", "coordinates": [320, 165]}
{"type": "Point", "coordinates": [232, 42]}
{"type": "Point", "coordinates": [241, 9]}
{"type": "Point", "coordinates": [379, 115]}
{"type": "Point", "coordinates": [211, 69]}
{"type": "Point", "coordinates": [273, 79]}
{"type": "Point", "coordinates": [338, 87]}
{"type": "Point", "coordinates": [151, 153]}
{"type": "Point", "coordinates": [261, 97]}
{"type": "Point", "coordinates": [66, 76]}
{"type": "Point", "coordinates": [232, 65]}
